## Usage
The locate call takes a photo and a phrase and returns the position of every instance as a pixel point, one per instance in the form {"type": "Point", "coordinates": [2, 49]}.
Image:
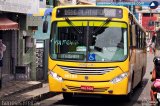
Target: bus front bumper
{"type": "Point", "coordinates": [102, 87]}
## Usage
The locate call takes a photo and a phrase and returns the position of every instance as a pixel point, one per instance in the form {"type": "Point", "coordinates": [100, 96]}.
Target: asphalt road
{"type": "Point", "coordinates": [141, 96]}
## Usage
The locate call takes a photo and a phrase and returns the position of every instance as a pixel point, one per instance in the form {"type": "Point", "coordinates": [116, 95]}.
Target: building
{"type": "Point", "coordinates": [76, 2]}
{"type": "Point", "coordinates": [42, 44]}
{"type": "Point", "coordinates": [148, 22]}
{"type": "Point", "coordinates": [8, 33]}
{"type": "Point", "coordinates": [16, 31]}
{"type": "Point", "coordinates": [149, 19]}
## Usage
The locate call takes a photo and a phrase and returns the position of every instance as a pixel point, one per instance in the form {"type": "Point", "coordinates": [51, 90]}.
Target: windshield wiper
{"type": "Point", "coordinates": [74, 27]}
{"type": "Point", "coordinates": [102, 25]}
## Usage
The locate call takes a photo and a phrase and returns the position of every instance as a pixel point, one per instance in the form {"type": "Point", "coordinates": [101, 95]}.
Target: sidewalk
{"type": "Point", "coordinates": [28, 98]}
{"type": "Point", "coordinates": [14, 87]}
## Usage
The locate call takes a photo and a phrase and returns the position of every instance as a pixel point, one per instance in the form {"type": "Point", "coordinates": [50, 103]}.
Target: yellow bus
{"type": "Point", "coordinates": [95, 50]}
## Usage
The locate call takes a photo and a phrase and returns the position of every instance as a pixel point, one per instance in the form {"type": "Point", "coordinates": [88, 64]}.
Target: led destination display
{"type": "Point", "coordinates": [90, 12]}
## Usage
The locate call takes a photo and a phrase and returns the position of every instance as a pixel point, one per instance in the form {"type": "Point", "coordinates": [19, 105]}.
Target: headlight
{"type": "Point", "coordinates": [119, 78]}
{"type": "Point", "coordinates": [55, 76]}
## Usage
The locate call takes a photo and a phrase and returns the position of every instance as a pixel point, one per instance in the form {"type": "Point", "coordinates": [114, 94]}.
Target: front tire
{"type": "Point", "coordinates": [67, 96]}
{"type": "Point", "coordinates": [128, 97]}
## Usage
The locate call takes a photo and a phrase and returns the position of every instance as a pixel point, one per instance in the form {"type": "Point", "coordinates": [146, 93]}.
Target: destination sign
{"type": "Point", "coordinates": [71, 56]}
{"type": "Point", "coordinates": [90, 12]}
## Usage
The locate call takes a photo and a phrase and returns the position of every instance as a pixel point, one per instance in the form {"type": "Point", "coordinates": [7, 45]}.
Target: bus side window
{"type": "Point", "coordinates": [140, 39]}
{"type": "Point", "coordinates": [144, 40]}
{"type": "Point", "coordinates": [134, 40]}
{"type": "Point", "coordinates": [130, 32]}
{"type": "Point", "coordinates": [137, 36]}
{"type": "Point", "coordinates": [136, 29]}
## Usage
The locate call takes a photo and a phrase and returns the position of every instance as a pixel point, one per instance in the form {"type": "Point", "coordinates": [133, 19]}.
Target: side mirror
{"type": "Point", "coordinates": [133, 35]}
{"type": "Point", "coordinates": [45, 26]}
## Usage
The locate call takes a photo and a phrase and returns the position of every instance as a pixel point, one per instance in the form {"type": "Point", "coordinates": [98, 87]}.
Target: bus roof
{"type": "Point", "coordinates": [121, 7]}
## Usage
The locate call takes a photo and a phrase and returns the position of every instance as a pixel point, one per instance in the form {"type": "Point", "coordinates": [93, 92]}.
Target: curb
{"type": "Point", "coordinates": [36, 99]}
{"type": "Point", "coordinates": [24, 90]}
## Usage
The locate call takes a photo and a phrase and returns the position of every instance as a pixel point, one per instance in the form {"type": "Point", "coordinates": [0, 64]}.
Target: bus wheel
{"type": "Point", "coordinates": [128, 97]}
{"type": "Point", "coordinates": [67, 96]}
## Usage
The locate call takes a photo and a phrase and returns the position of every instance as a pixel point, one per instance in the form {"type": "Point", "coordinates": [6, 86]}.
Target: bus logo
{"type": "Point", "coordinates": [86, 77]}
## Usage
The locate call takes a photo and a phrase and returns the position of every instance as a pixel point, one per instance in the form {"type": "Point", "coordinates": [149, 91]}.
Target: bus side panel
{"type": "Point", "coordinates": [138, 59]}
{"type": "Point", "coordinates": [144, 61]}
{"type": "Point", "coordinates": [132, 68]}
{"type": "Point", "coordinates": [138, 68]}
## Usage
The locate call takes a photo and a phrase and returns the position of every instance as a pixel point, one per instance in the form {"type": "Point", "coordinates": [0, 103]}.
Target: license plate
{"type": "Point", "coordinates": [158, 95]}
{"type": "Point", "coordinates": [87, 88]}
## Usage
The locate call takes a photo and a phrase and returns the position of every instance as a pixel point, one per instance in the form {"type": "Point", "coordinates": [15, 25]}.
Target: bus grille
{"type": "Point", "coordinates": [87, 71]}
{"type": "Point", "coordinates": [73, 88]}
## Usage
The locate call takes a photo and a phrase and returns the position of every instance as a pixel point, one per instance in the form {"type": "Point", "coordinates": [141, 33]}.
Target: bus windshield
{"type": "Point", "coordinates": [107, 44]}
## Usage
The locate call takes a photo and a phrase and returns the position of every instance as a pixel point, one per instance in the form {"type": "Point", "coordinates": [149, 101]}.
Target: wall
{"type": "Point", "coordinates": [42, 3]}
{"type": "Point", "coordinates": [145, 21]}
